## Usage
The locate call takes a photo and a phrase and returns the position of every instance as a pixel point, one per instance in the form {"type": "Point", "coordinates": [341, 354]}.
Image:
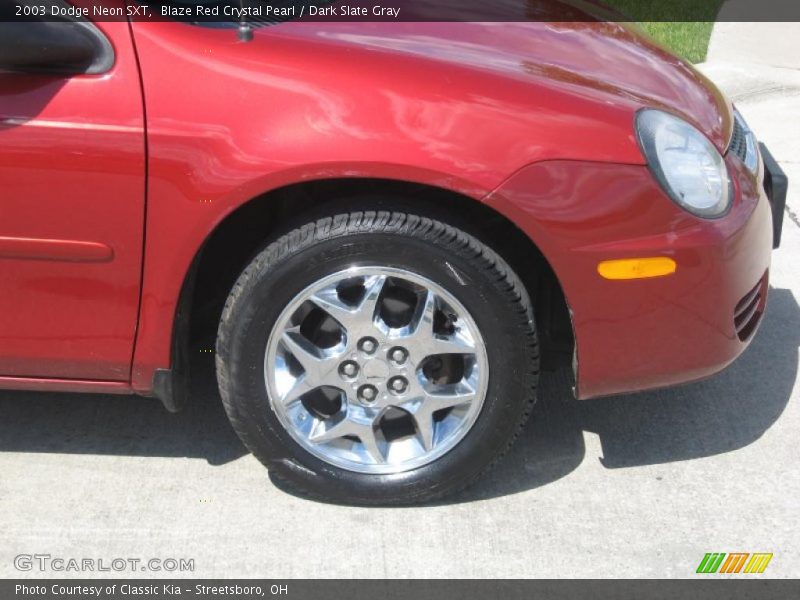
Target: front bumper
{"type": "Point", "coordinates": [645, 333]}
{"type": "Point", "coordinates": [776, 186]}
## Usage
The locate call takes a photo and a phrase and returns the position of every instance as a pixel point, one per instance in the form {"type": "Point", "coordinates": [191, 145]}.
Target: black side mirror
{"type": "Point", "coordinates": [65, 47]}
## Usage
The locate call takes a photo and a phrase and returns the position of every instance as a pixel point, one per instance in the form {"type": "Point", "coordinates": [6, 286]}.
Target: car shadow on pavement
{"type": "Point", "coordinates": [721, 414]}
{"type": "Point", "coordinates": [718, 415]}
{"type": "Point", "coordinates": [121, 425]}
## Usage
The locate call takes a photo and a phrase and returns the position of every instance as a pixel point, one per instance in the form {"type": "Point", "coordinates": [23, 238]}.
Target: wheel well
{"type": "Point", "coordinates": [245, 232]}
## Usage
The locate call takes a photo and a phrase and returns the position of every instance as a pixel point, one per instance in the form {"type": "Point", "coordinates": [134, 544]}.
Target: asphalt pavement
{"type": "Point", "coordinates": [631, 486]}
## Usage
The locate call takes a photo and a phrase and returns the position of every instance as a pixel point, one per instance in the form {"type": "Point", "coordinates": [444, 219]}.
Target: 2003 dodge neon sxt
{"type": "Point", "coordinates": [385, 225]}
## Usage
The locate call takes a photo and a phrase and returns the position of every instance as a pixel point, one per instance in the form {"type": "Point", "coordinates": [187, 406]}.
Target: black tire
{"type": "Point", "coordinates": [479, 278]}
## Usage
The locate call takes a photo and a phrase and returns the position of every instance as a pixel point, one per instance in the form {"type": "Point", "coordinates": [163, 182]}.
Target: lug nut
{"type": "Point", "coordinates": [367, 393]}
{"type": "Point", "coordinates": [398, 385]}
{"type": "Point", "coordinates": [368, 345]}
{"type": "Point", "coordinates": [398, 356]}
{"type": "Point", "coordinates": [348, 369]}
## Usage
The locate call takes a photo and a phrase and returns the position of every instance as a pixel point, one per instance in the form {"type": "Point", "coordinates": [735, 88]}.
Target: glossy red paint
{"type": "Point", "coordinates": [643, 333]}
{"type": "Point", "coordinates": [451, 105]}
{"type": "Point", "coordinates": [72, 175]}
{"type": "Point", "coordinates": [535, 119]}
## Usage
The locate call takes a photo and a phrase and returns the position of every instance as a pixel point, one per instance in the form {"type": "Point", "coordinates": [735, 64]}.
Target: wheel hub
{"type": "Point", "coordinates": [378, 377]}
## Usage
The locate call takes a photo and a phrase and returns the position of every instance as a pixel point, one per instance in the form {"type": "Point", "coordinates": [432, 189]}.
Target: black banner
{"type": "Point", "coordinates": [251, 589]}
{"type": "Point", "coordinates": [265, 12]}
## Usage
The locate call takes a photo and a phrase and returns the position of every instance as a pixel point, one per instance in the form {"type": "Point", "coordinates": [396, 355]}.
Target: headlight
{"type": "Point", "coordinates": [685, 163]}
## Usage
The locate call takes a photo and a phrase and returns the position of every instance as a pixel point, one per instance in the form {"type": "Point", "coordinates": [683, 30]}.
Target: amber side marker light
{"type": "Point", "coordinates": [636, 268]}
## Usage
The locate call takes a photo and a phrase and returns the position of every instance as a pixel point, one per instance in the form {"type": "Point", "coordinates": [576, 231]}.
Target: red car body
{"type": "Point", "coordinates": [113, 183]}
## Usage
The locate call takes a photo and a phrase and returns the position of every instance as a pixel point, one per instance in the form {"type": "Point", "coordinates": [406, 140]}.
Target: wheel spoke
{"type": "Point", "coordinates": [318, 366]}
{"type": "Point", "coordinates": [425, 341]}
{"type": "Point", "coordinates": [328, 300]}
{"type": "Point", "coordinates": [440, 397]}
{"type": "Point", "coordinates": [302, 385]}
{"type": "Point", "coordinates": [348, 426]}
{"type": "Point", "coordinates": [326, 432]}
{"type": "Point", "coordinates": [351, 317]}
{"type": "Point", "coordinates": [456, 343]}
{"type": "Point", "coordinates": [425, 427]}
{"type": "Point", "coordinates": [304, 351]}
{"type": "Point", "coordinates": [368, 306]}
{"type": "Point", "coordinates": [424, 405]}
{"type": "Point", "coordinates": [421, 326]}
{"type": "Point", "coordinates": [370, 443]}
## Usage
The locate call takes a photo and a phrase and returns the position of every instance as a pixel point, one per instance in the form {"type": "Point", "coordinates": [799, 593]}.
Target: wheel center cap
{"type": "Point", "coordinates": [375, 370]}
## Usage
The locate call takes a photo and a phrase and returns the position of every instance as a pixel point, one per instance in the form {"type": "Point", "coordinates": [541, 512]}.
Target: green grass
{"type": "Point", "coordinates": [687, 40]}
{"type": "Point", "coordinates": [683, 26]}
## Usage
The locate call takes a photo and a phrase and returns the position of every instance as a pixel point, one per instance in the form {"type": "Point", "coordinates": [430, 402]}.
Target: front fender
{"type": "Point", "coordinates": [285, 109]}
{"type": "Point", "coordinates": [642, 333]}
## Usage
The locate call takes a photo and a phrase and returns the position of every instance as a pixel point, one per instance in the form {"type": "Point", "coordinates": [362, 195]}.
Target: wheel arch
{"type": "Point", "coordinates": [246, 230]}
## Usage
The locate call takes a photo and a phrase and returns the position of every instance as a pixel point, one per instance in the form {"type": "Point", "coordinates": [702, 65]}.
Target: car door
{"type": "Point", "coordinates": [72, 201]}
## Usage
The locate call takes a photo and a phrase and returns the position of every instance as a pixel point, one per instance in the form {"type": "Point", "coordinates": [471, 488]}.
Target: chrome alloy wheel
{"type": "Point", "coordinates": [376, 370]}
